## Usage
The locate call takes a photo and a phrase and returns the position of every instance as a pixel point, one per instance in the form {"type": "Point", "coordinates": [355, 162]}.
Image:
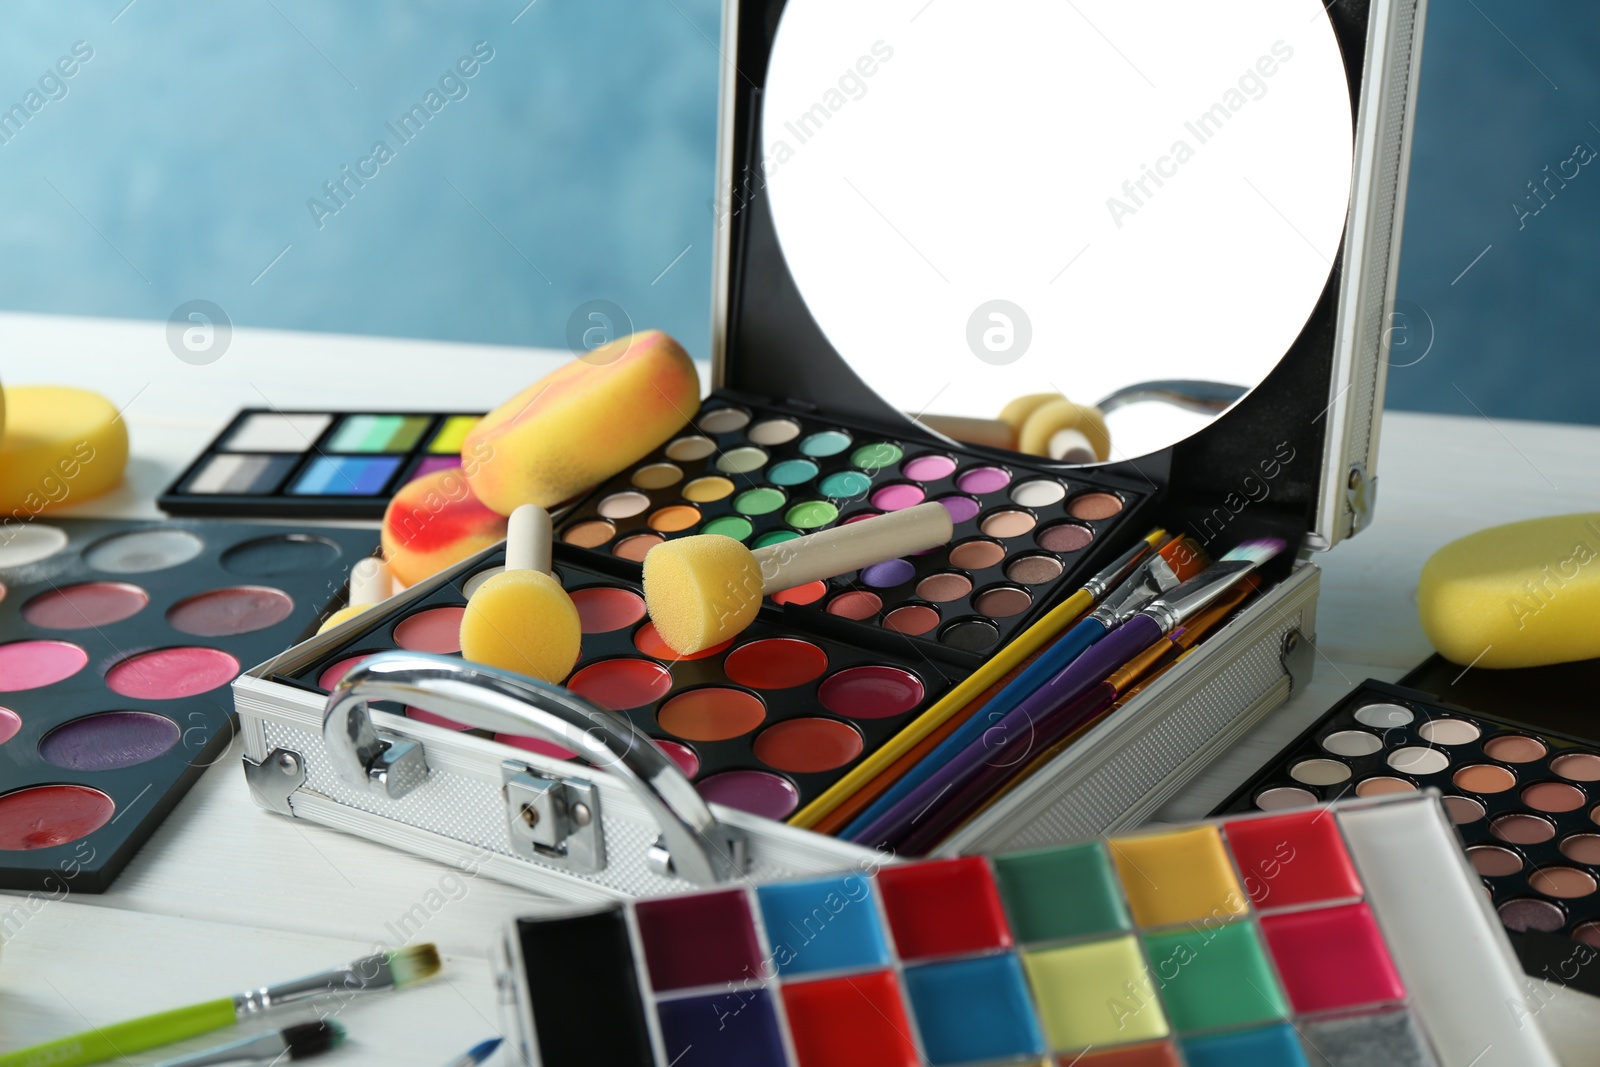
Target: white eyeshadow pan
{"type": "Point", "coordinates": [274, 432]}
{"type": "Point", "coordinates": [29, 543]}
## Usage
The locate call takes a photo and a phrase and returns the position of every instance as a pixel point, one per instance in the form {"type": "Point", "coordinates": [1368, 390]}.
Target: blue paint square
{"type": "Point", "coordinates": [823, 925]}
{"type": "Point", "coordinates": [1274, 1046]}
{"type": "Point", "coordinates": [738, 1026]}
{"type": "Point", "coordinates": [346, 476]}
{"type": "Point", "coordinates": [974, 1010]}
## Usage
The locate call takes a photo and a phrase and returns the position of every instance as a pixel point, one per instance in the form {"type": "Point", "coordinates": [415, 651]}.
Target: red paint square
{"type": "Point", "coordinates": [855, 1021]}
{"type": "Point", "coordinates": [708, 939]}
{"type": "Point", "coordinates": [943, 908]}
{"type": "Point", "coordinates": [1288, 860]}
{"type": "Point", "coordinates": [1332, 958]}
{"type": "Point", "coordinates": [1162, 1055]}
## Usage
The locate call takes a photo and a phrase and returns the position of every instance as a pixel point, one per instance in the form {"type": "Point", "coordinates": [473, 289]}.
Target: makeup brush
{"type": "Point", "coordinates": [370, 584]}
{"type": "Point", "coordinates": [370, 974]}
{"type": "Point", "coordinates": [521, 619]}
{"type": "Point", "coordinates": [298, 1042]}
{"type": "Point", "coordinates": [702, 590]}
{"type": "Point", "coordinates": [477, 1053]}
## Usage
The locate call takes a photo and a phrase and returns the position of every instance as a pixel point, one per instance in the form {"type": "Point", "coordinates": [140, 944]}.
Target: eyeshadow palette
{"type": "Point", "coordinates": [1341, 936]}
{"type": "Point", "coordinates": [762, 723]}
{"type": "Point", "coordinates": [1024, 537]}
{"type": "Point", "coordinates": [118, 641]}
{"type": "Point", "coordinates": [315, 464]}
{"type": "Point", "coordinates": [1525, 802]}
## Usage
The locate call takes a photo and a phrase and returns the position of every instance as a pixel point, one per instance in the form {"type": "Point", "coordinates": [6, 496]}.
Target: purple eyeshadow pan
{"type": "Point", "coordinates": [983, 480]}
{"type": "Point", "coordinates": [961, 508]}
{"type": "Point", "coordinates": [109, 741]}
{"type": "Point", "coordinates": [888, 574]}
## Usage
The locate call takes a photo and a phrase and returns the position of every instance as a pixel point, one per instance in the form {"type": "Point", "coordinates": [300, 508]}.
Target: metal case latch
{"type": "Point", "coordinates": [274, 780]}
{"type": "Point", "coordinates": [1361, 493]}
{"type": "Point", "coordinates": [554, 820]}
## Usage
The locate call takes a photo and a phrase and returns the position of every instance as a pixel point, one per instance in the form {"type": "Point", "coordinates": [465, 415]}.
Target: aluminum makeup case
{"type": "Point", "coordinates": [572, 831]}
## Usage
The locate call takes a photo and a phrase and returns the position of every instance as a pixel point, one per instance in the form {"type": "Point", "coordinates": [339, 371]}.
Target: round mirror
{"type": "Point", "coordinates": [1134, 206]}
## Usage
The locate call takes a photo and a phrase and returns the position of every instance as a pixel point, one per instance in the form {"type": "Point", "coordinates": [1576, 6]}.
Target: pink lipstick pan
{"type": "Point", "coordinates": [118, 643]}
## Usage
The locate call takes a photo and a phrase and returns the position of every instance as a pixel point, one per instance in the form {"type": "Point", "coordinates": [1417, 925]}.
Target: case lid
{"type": "Point", "coordinates": [825, 298]}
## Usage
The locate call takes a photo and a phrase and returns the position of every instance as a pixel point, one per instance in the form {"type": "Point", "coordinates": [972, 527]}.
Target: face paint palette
{"type": "Point", "coordinates": [315, 464]}
{"type": "Point", "coordinates": [1525, 802]}
{"type": "Point", "coordinates": [1024, 537]}
{"type": "Point", "coordinates": [1339, 936]}
{"type": "Point", "coordinates": [118, 641]}
{"type": "Point", "coordinates": [762, 723]}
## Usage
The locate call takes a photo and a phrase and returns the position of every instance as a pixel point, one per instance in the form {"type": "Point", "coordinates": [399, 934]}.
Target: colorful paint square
{"type": "Point", "coordinates": [856, 1021]}
{"type": "Point", "coordinates": [943, 908]}
{"type": "Point", "coordinates": [735, 1027]}
{"type": "Point", "coordinates": [377, 433]}
{"type": "Point", "coordinates": [1391, 1038]}
{"type": "Point", "coordinates": [432, 465]}
{"type": "Point", "coordinates": [1179, 877]}
{"type": "Point", "coordinates": [1275, 1046]}
{"type": "Point", "coordinates": [452, 434]}
{"type": "Point", "coordinates": [823, 925]}
{"type": "Point", "coordinates": [273, 431]}
{"type": "Point", "coordinates": [973, 1010]}
{"type": "Point", "coordinates": [709, 939]}
{"type": "Point", "coordinates": [1058, 893]}
{"type": "Point", "coordinates": [1163, 1055]}
{"type": "Point", "coordinates": [1333, 958]}
{"type": "Point", "coordinates": [345, 476]}
{"type": "Point", "coordinates": [1095, 994]}
{"type": "Point", "coordinates": [243, 475]}
{"type": "Point", "coordinates": [1287, 860]}
{"type": "Point", "coordinates": [1215, 976]}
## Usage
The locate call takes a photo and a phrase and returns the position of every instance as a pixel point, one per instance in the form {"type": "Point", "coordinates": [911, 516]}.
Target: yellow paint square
{"type": "Point", "coordinates": [452, 434]}
{"type": "Point", "coordinates": [1095, 994]}
{"type": "Point", "coordinates": [1181, 877]}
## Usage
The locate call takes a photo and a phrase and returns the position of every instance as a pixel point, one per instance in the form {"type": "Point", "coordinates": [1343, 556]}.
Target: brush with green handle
{"type": "Point", "coordinates": [386, 970]}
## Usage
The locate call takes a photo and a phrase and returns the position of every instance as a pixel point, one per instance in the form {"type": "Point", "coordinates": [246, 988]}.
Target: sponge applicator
{"type": "Point", "coordinates": [435, 522]}
{"type": "Point", "coordinates": [700, 591]}
{"type": "Point", "coordinates": [521, 619]}
{"type": "Point", "coordinates": [1521, 595]}
{"type": "Point", "coordinates": [60, 445]}
{"type": "Point", "coordinates": [370, 583]}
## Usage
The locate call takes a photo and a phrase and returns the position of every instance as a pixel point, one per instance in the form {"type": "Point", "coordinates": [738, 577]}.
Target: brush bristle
{"type": "Point", "coordinates": [484, 1049]}
{"type": "Point", "coordinates": [1185, 556]}
{"type": "Point", "coordinates": [1257, 551]}
{"type": "Point", "coordinates": [412, 964]}
{"type": "Point", "coordinates": [304, 1040]}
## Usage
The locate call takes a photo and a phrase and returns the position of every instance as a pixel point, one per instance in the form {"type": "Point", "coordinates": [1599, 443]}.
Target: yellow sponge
{"type": "Point", "coordinates": [60, 445]}
{"type": "Point", "coordinates": [1059, 427]}
{"type": "Point", "coordinates": [701, 590]}
{"type": "Point", "coordinates": [1522, 595]}
{"type": "Point", "coordinates": [523, 621]}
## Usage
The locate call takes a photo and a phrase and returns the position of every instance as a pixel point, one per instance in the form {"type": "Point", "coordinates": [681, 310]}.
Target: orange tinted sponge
{"type": "Point", "coordinates": [1521, 595]}
{"type": "Point", "coordinates": [434, 522]}
{"type": "Point", "coordinates": [583, 423]}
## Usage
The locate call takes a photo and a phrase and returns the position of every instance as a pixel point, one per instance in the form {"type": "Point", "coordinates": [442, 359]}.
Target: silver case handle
{"type": "Point", "coordinates": [693, 846]}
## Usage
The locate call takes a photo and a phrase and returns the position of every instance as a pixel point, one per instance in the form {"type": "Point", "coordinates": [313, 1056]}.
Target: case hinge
{"type": "Point", "coordinates": [1361, 493]}
{"type": "Point", "coordinates": [274, 780]}
{"type": "Point", "coordinates": [1298, 658]}
{"type": "Point", "coordinates": [554, 820]}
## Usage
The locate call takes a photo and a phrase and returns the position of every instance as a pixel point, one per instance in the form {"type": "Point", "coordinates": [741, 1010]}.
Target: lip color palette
{"type": "Point", "coordinates": [762, 723]}
{"type": "Point", "coordinates": [1024, 537]}
{"type": "Point", "coordinates": [315, 464]}
{"type": "Point", "coordinates": [118, 641]}
{"type": "Point", "coordinates": [1526, 804]}
{"type": "Point", "coordinates": [1283, 939]}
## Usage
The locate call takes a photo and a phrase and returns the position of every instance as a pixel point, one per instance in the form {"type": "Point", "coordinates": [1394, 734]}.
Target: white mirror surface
{"type": "Point", "coordinates": [984, 199]}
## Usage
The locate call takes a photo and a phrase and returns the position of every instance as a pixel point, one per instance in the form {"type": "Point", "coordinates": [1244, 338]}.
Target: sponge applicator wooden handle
{"type": "Point", "coordinates": [521, 619]}
{"type": "Point", "coordinates": [370, 583]}
{"type": "Point", "coordinates": [702, 590]}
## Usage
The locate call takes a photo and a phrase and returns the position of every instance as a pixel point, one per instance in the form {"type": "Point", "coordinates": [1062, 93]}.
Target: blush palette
{"type": "Point", "coordinates": [1024, 537]}
{"type": "Point", "coordinates": [1526, 804]}
{"type": "Point", "coordinates": [1281, 940]}
{"type": "Point", "coordinates": [118, 641]}
{"type": "Point", "coordinates": [315, 464]}
{"type": "Point", "coordinates": [763, 723]}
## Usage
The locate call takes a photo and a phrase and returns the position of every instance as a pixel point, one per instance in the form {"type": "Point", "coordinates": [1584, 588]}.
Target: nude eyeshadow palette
{"type": "Point", "coordinates": [1525, 802]}
{"type": "Point", "coordinates": [118, 641]}
{"type": "Point", "coordinates": [1024, 536]}
{"type": "Point", "coordinates": [315, 464]}
{"type": "Point", "coordinates": [1339, 936]}
{"type": "Point", "coordinates": [763, 723]}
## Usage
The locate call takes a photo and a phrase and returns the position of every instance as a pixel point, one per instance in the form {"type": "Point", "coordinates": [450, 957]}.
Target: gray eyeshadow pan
{"type": "Point", "coordinates": [1390, 1038]}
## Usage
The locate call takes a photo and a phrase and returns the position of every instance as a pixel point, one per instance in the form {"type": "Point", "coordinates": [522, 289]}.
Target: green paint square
{"type": "Point", "coordinates": [1056, 893]}
{"type": "Point", "coordinates": [1215, 975]}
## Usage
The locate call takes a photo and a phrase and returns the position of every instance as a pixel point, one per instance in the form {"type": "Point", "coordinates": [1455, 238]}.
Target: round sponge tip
{"type": "Point", "coordinates": [522, 621]}
{"type": "Point", "coordinates": [701, 590]}
{"type": "Point", "coordinates": [1521, 595]}
{"type": "Point", "coordinates": [1049, 419]}
{"type": "Point", "coordinates": [343, 615]}
{"type": "Point", "coordinates": [61, 445]}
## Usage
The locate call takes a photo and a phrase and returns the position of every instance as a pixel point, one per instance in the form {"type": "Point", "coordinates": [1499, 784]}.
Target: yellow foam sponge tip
{"type": "Point", "coordinates": [1049, 419]}
{"type": "Point", "coordinates": [342, 615]}
{"type": "Point", "coordinates": [701, 590]}
{"type": "Point", "coordinates": [1526, 594]}
{"type": "Point", "coordinates": [522, 621]}
{"type": "Point", "coordinates": [60, 445]}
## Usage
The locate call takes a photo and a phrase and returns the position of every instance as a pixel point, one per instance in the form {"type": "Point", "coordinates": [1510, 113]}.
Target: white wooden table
{"type": "Point", "coordinates": [226, 897]}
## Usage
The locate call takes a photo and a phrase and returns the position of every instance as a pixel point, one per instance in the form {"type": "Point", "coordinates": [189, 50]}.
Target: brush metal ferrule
{"type": "Point", "coordinates": [1152, 579]}
{"type": "Point", "coordinates": [367, 973]}
{"type": "Point", "coordinates": [1171, 610]}
{"type": "Point", "coordinates": [1117, 571]}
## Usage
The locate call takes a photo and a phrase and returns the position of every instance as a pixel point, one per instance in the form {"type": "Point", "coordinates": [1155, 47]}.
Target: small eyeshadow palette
{"type": "Point", "coordinates": [763, 723]}
{"type": "Point", "coordinates": [1343, 936]}
{"type": "Point", "coordinates": [1526, 804]}
{"type": "Point", "coordinates": [118, 641]}
{"type": "Point", "coordinates": [315, 464]}
{"type": "Point", "coordinates": [1024, 537]}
